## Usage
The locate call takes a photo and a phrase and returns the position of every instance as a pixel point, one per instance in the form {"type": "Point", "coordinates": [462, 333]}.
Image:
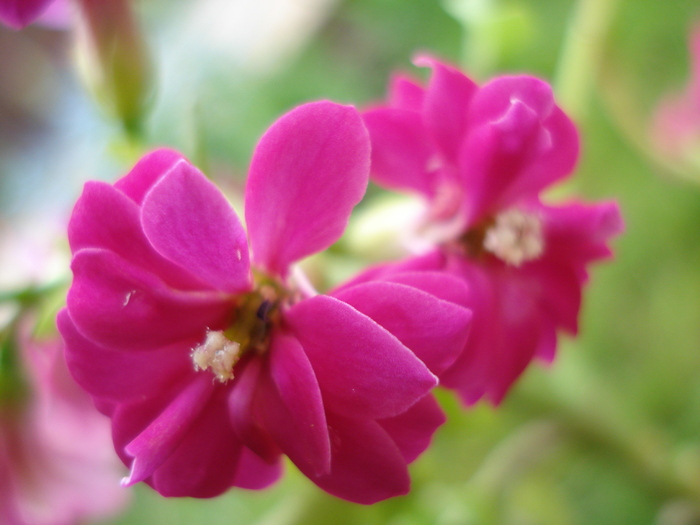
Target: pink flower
{"type": "Point", "coordinates": [211, 369]}
{"type": "Point", "coordinates": [676, 124]}
{"type": "Point", "coordinates": [480, 157]}
{"type": "Point", "coordinates": [20, 13]}
{"type": "Point", "coordinates": [56, 461]}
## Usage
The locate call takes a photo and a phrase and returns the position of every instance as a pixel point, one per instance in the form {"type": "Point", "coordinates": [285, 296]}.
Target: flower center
{"type": "Point", "coordinates": [254, 315]}
{"type": "Point", "coordinates": [515, 237]}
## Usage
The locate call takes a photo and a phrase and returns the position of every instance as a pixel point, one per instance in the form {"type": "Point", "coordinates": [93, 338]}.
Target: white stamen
{"type": "Point", "coordinates": [128, 297]}
{"type": "Point", "coordinates": [516, 237]}
{"type": "Point", "coordinates": [218, 354]}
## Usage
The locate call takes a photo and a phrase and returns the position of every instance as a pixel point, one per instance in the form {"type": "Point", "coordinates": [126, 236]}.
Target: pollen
{"type": "Point", "coordinates": [218, 354]}
{"type": "Point", "coordinates": [515, 237]}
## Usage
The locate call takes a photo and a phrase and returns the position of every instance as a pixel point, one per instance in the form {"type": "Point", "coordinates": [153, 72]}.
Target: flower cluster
{"type": "Point", "coordinates": [213, 355]}
{"type": "Point", "coordinates": [56, 462]}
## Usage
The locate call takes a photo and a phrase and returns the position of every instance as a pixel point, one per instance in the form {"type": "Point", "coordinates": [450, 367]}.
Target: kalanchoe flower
{"type": "Point", "coordinates": [212, 367]}
{"type": "Point", "coordinates": [676, 124]}
{"type": "Point", "coordinates": [480, 156]}
{"type": "Point", "coordinates": [57, 466]}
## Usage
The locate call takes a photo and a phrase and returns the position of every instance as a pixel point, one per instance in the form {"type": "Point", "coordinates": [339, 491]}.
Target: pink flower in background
{"type": "Point", "coordinates": [210, 368]}
{"type": "Point", "coordinates": [20, 13]}
{"type": "Point", "coordinates": [57, 465]}
{"type": "Point", "coordinates": [676, 123]}
{"type": "Point", "coordinates": [480, 156]}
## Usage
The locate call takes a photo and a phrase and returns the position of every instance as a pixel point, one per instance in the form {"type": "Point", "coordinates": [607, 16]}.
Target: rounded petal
{"type": "Point", "coordinates": [446, 105]}
{"type": "Point", "coordinates": [254, 473]}
{"type": "Point", "coordinates": [362, 369]}
{"type": "Point", "coordinates": [120, 231]}
{"type": "Point", "coordinates": [434, 330]}
{"type": "Point", "coordinates": [189, 222]}
{"type": "Point", "coordinates": [308, 171]}
{"type": "Point", "coordinates": [207, 461]}
{"type": "Point", "coordinates": [413, 430]}
{"type": "Point", "coordinates": [121, 306]}
{"type": "Point", "coordinates": [120, 376]}
{"type": "Point", "coordinates": [367, 466]}
{"type": "Point", "coordinates": [401, 151]}
{"type": "Point", "coordinates": [161, 437]}
{"type": "Point", "coordinates": [146, 172]}
{"type": "Point", "coordinates": [291, 406]}
{"type": "Point", "coordinates": [405, 93]}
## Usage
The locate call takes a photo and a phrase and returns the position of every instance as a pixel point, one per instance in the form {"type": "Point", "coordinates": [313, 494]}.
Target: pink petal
{"type": "Point", "coordinates": [433, 261]}
{"type": "Point", "coordinates": [130, 375]}
{"type": "Point", "coordinates": [207, 461]}
{"type": "Point", "coordinates": [308, 172]}
{"type": "Point", "coordinates": [405, 93]}
{"type": "Point", "coordinates": [20, 13]}
{"type": "Point", "coordinates": [446, 105]}
{"type": "Point", "coordinates": [400, 150]}
{"type": "Point", "coordinates": [494, 157]}
{"type": "Point", "coordinates": [367, 466]}
{"type": "Point", "coordinates": [119, 305]}
{"type": "Point", "coordinates": [434, 330]}
{"type": "Point", "coordinates": [242, 414]}
{"type": "Point", "coordinates": [441, 285]}
{"type": "Point", "coordinates": [120, 231]}
{"type": "Point", "coordinates": [254, 473]}
{"type": "Point", "coordinates": [495, 98]}
{"type": "Point", "coordinates": [361, 368]}
{"type": "Point", "coordinates": [189, 222]}
{"type": "Point", "coordinates": [164, 434]}
{"type": "Point", "coordinates": [147, 171]}
{"type": "Point", "coordinates": [413, 430]}
{"type": "Point", "coordinates": [292, 407]}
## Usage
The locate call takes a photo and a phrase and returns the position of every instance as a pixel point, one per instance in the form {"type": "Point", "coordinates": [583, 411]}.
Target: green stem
{"type": "Point", "coordinates": [581, 53]}
{"type": "Point", "coordinates": [587, 410]}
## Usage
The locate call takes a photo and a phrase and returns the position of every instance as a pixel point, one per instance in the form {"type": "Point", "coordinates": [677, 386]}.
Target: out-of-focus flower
{"type": "Point", "coordinates": [480, 157]}
{"type": "Point", "coordinates": [211, 369]}
{"type": "Point", "coordinates": [57, 465]}
{"type": "Point", "coordinates": [675, 129]}
{"type": "Point", "coordinates": [114, 60]}
{"type": "Point", "coordinates": [20, 13]}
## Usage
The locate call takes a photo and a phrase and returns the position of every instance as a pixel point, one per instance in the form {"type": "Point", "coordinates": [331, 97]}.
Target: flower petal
{"type": "Point", "coordinates": [434, 330]}
{"type": "Point", "coordinates": [413, 430]}
{"type": "Point", "coordinates": [400, 150]}
{"type": "Point", "coordinates": [361, 368]}
{"type": "Point", "coordinates": [164, 433]}
{"type": "Point", "coordinates": [254, 473]}
{"type": "Point", "coordinates": [243, 415]}
{"type": "Point", "coordinates": [308, 172]}
{"type": "Point", "coordinates": [20, 13]}
{"type": "Point", "coordinates": [189, 222]}
{"type": "Point", "coordinates": [131, 375]}
{"type": "Point", "coordinates": [120, 231]}
{"type": "Point", "coordinates": [207, 461]}
{"type": "Point", "coordinates": [291, 405]}
{"type": "Point", "coordinates": [121, 306]}
{"type": "Point", "coordinates": [146, 172]}
{"type": "Point", "coordinates": [367, 466]}
{"type": "Point", "coordinates": [446, 105]}
{"type": "Point", "coordinates": [405, 93]}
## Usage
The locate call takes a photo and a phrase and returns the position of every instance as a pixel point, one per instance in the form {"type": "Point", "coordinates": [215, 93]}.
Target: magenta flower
{"type": "Point", "coordinates": [211, 369]}
{"type": "Point", "coordinates": [57, 466]}
{"type": "Point", "coordinates": [480, 156]}
{"type": "Point", "coordinates": [20, 13]}
{"type": "Point", "coordinates": [676, 123]}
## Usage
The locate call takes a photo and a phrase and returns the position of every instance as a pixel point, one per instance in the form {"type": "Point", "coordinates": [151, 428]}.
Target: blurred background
{"type": "Point", "coordinates": [608, 434]}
